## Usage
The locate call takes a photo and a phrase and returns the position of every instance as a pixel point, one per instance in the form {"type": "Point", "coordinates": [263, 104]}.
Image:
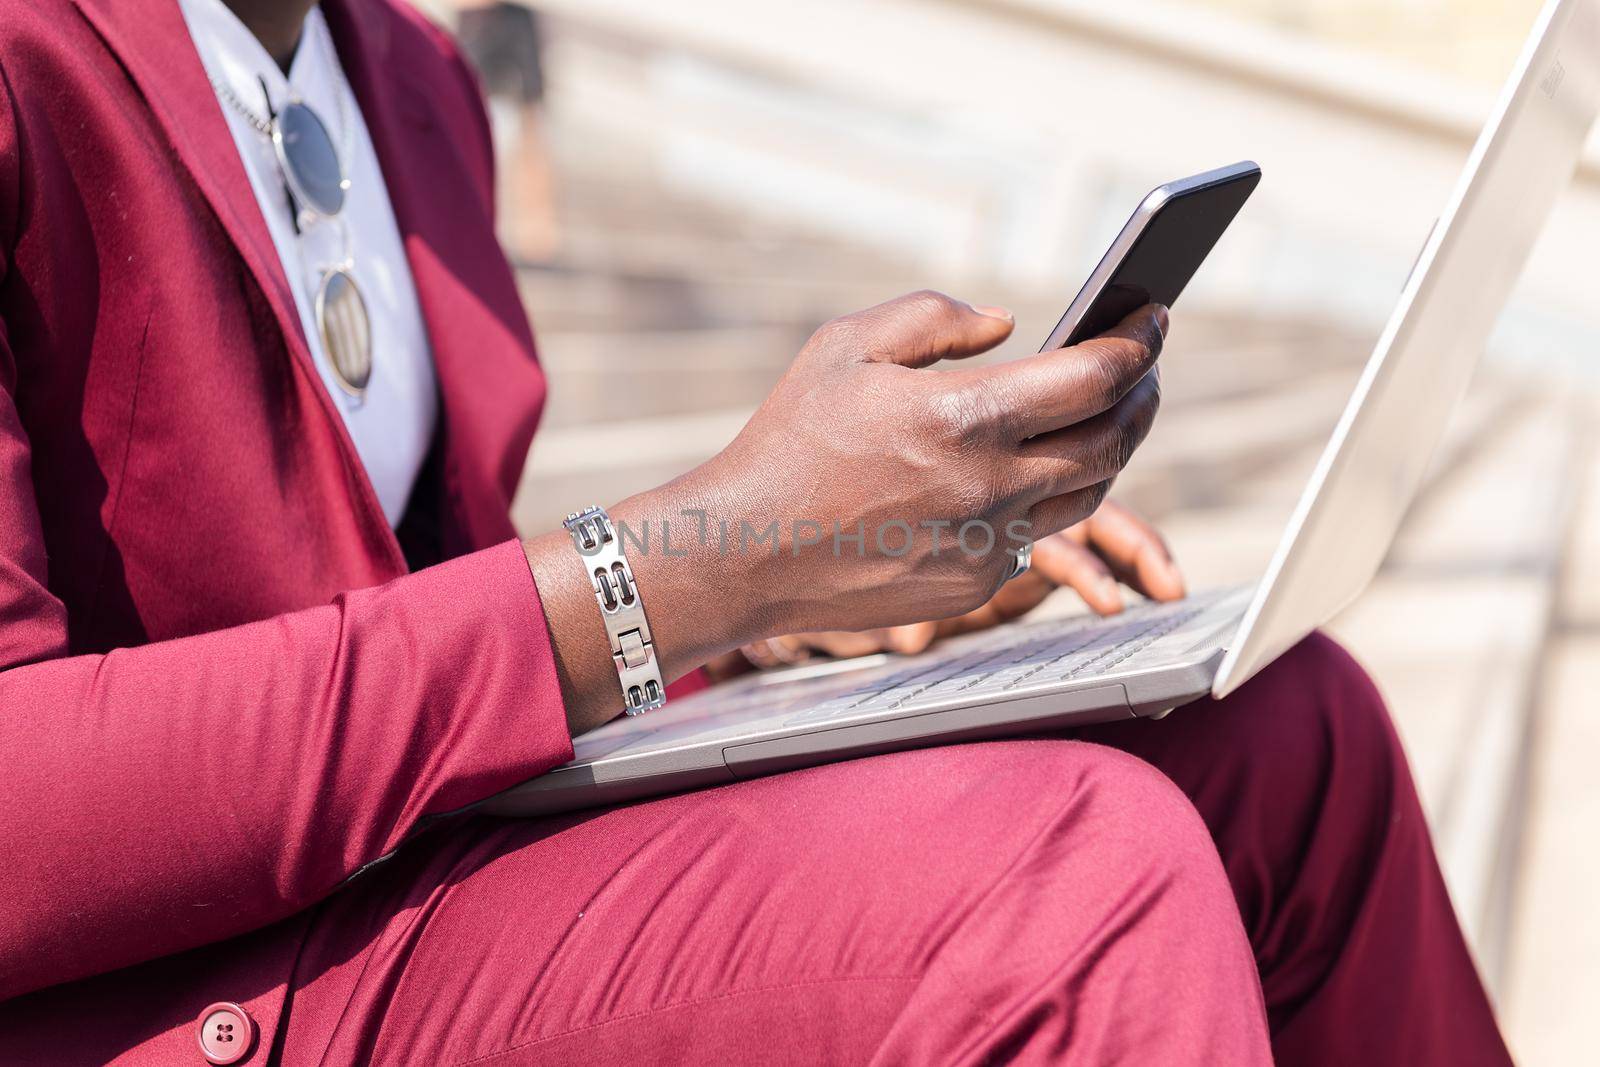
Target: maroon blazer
{"type": "Point", "coordinates": [223, 689]}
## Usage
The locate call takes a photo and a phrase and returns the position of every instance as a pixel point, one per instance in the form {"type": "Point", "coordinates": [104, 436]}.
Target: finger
{"type": "Point", "coordinates": [1015, 599]}
{"type": "Point", "coordinates": [1019, 596]}
{"type": "Point", "coordinates": [1135, 552]}
{"type": "Point", "coordinates": [784, 650]}
{"type": "Point", "coordinates": [909, 640]}
{"type": "Point", "coordinates": [1068, 385]}
{"type": "Point", "coordinates": [1058, 512]}
{"type": "Point", "coordinates": [983, 618]}
{"type": "Point", "coordinates": [1069, 564]}
{"type": "Point", "coordinates": [1093, 451]}
{"type": "Point", "coordinates": [922, 328]}
{"type": "Point", "coordinates": [842, 644]}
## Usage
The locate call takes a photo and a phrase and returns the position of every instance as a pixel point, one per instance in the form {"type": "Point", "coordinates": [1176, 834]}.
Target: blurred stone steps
{"type": "Point", "coordinates": [1229, 538]}
{"type": "Point", "coordinates": [605, 297]}
{"type": "Point", "coordinates": [633, 248]}
{"type": "Point", "coordinates": [656, 373]}
{"type": "Point", "coordinates": [1554, 962]}
{"type": "Point", "coordinates": [665, 371]}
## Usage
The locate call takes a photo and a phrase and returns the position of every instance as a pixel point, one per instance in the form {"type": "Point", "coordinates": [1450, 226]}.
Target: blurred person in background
{"type": "Point", "coordinates": [505, 44]}
{"type": "Point", "coordinates": [265, 388]}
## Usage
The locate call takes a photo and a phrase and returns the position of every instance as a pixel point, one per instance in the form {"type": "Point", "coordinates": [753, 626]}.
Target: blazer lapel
{"type": "Point", "coordinates": [491, 389]}
{"type": "Point", "coordinates": [152, 40]}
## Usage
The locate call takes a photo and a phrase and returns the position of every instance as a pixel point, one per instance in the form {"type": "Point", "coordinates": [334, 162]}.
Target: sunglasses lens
{"type": "Point", "coordinates": [346, 330]}
{"type": "Point", "coordinates": [309, 159]}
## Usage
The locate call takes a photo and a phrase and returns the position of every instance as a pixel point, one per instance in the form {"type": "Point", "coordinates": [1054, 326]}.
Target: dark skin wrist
{"type": "Point", "coordinates": [700, 604]}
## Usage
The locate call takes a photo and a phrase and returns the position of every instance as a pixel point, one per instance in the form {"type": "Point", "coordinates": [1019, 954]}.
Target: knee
{"type": "Point", "coordinates": [1306, 739]}
{"type": "Point", "coordinates": [1113, 809]}
{"type": "Point", "coordinates": [1313, 719]}
{"type": "Point", "coordinates": [1319, 666]}
{"type": "Point", "coordinates": [1011, 793]}
{"type": "Point", "coordinates": [1113, 883]}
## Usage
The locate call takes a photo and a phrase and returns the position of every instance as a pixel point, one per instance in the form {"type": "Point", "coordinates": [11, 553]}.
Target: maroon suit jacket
{"type": "Point", "coordinates": [223, 688]}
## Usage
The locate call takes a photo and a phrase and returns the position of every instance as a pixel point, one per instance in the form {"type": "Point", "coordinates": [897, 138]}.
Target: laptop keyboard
{"type": "Point", "coordinates": [1053, 651]}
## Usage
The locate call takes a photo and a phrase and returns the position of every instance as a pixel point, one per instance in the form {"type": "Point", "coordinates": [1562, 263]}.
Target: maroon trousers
{"type": "Point", "coordinates": [1029, 901]}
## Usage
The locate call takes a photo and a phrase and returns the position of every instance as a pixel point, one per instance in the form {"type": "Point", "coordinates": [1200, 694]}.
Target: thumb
{"type": "Point", "coordinates": [920, 329]}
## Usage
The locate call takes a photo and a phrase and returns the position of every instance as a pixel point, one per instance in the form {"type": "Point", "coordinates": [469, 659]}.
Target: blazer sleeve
{"type": "Point", "coordinates": [162, 797]}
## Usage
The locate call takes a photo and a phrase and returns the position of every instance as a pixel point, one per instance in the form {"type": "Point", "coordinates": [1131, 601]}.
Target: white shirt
{"type": "Point", "coordinates": [392, 424]}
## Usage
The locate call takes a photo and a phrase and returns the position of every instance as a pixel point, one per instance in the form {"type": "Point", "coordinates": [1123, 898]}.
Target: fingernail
{"type": "Point", "coordinates": [1163, 319]}
{"type": "Point", "coordinates": [994, 312]}
{"type": "Point", "coordinates": [1107, 587]}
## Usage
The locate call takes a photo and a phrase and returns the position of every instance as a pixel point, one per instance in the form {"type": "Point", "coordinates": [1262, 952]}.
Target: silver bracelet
{"type": "Point", "coordinates": [620, 608]}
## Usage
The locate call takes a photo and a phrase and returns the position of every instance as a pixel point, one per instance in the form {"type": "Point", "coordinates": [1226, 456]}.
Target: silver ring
{"type": "Point", "coordinates": [1021, 560]}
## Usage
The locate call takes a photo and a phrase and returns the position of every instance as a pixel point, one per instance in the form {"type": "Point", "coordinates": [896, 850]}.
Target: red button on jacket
{"type": "Point", "coordinates": [226, 1033]}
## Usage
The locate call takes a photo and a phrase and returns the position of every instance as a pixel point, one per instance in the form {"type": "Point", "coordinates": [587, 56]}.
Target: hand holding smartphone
{"type": "Point", "coordinates": [1158, 251]}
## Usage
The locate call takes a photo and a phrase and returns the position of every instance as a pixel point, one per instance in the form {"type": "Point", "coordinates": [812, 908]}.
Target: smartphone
{"type": "Point", "coordinates": [1158, 251]}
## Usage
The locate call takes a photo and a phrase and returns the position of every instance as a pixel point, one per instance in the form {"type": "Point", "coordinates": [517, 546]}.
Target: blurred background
{"type": "Point", "coordinates": [689, 189]}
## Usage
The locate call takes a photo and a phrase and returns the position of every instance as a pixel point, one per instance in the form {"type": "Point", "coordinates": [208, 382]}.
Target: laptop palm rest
{"type": "Point", "coordinates": [1022, 715]}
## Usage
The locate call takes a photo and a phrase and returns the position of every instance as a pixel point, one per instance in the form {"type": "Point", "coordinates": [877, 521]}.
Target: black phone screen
{"type": "Point", "coordinates": [1167, 253]}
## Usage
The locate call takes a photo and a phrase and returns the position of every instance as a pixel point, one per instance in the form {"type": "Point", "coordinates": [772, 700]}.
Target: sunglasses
{"type": "Point", "coordinates": [314, 180]}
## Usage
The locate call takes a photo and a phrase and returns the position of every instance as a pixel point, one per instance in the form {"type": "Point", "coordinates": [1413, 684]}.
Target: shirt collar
{"type": "Point", "coordinates": [233, 56]}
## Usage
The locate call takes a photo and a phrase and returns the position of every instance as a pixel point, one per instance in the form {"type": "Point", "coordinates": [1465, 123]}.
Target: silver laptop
{"type": "Point", "coordinates": [1028, 677]}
